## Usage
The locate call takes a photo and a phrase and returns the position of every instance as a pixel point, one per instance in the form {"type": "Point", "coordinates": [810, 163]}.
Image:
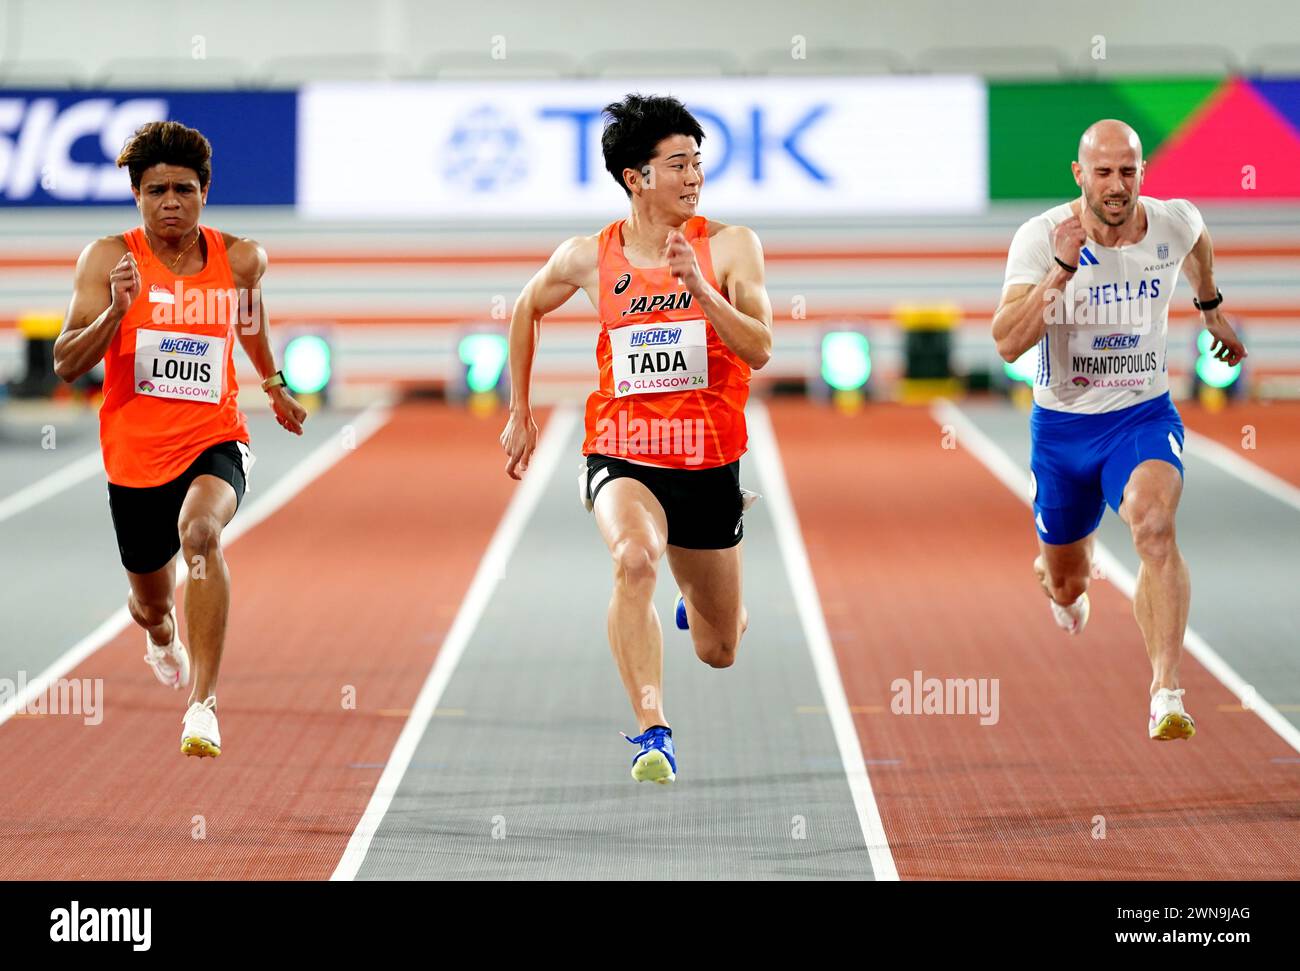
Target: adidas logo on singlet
{"type": "Point", "coordinates": [1087, 259]}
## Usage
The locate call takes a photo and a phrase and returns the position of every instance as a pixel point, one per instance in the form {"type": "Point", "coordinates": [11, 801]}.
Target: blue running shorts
{"type": "Point", "coordinates": [1081, 463]}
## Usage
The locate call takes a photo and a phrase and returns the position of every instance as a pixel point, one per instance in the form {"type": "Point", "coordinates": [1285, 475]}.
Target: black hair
{"type": "Point", "coordinates": [167, 142]}
{"type": "Point", "coordinates": [636, 125]}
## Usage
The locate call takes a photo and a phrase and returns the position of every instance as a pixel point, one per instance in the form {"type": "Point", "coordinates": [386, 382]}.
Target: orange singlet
{"type": "Point", "coordinates": [671, 392]}
{"type": "Point", "coordinates": [169, 374]}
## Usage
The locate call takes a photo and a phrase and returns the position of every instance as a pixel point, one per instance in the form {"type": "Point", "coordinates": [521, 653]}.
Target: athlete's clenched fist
{"type": "Point", "coordinates": [125, 281]}
{"type": "Point", "coordinates": [1067, 239]}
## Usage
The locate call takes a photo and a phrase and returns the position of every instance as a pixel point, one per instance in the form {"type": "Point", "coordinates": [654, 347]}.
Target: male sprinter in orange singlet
{"type": "Point", "coordinates": [684, 316]}
{"type": "Point", "coordinates": [159, 305]}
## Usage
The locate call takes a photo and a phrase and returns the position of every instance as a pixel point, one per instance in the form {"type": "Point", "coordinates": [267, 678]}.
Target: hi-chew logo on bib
{"type": "Point", "coordinates": [180, 366]}
{"type": "Point", "coordinates": [657, 337]}
{"type": "Point", "coordinates": [656, 358]}
{"type": "Point", "coordinates": [1116, 342]}
{"type": "Point", "coordinates": [192, 346]}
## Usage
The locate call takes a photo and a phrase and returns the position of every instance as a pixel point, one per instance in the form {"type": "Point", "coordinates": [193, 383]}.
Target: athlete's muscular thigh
{"type": "Point", "coordinates": [632, 523]}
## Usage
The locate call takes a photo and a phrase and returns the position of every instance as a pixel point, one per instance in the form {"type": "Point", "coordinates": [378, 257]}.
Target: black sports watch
{"type": "Point", "coordinates": [1209, 304]}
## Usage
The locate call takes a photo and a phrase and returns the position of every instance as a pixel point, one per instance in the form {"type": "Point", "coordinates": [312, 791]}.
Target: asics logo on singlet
{"type": "Point", "coordinates": [622, 283]}
{"type": "Point", "coordinates": [183, 345]}
{"type": "Point", "coordinates": [660, 301]}
{"type": "Point", "coordinates": [1115, 342]}
{"type": "Point", "coordinates": [657, 337]}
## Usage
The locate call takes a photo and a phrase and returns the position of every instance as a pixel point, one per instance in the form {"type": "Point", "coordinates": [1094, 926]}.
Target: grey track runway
{"type": "Point", "coordinates": [61, 553]}
{"type": "Point", "coordinates": [1241, 547]}
{"type": "Point", "coordinates": [523, 775]}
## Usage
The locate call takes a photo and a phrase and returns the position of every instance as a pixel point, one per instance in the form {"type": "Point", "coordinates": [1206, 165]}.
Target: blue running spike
{"type": "Point", "coordinates": [657, 760]}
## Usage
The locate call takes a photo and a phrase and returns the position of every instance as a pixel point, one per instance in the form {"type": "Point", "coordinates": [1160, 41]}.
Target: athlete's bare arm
{"type": "Point", "coordinates": [105, 284]}
{"type": "Point", "coordinates": [745, 323]}
{"type": "Point", "coordinates": [247, 265]}
{"type": "Point", "coordinates": [571, 267]}
{"type": "Point", "coordinates": [1021, 318]}
{"type": "Point", "coordinates": [1199, 270]}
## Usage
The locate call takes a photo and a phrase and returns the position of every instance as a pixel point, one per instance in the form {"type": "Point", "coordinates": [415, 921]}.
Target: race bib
{"type": "Point", "coordinates": [188, 367]}
{"type": "Point", "coordinates": [654, 358]}
{"type": "Point", "coordinates": [1100, 358]}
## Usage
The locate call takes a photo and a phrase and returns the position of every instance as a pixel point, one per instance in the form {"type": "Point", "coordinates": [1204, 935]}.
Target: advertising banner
{"type": "Point", "coordinates": [834, 146]}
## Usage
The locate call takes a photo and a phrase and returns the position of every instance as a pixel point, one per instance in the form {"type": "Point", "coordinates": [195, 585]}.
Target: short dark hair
{"type": "Point", "coordinates": [636, 125]}
{"type": "Point", "coordinates": [166, 143]}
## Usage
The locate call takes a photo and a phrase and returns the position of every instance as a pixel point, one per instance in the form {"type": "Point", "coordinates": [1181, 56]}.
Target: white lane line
{"type": "Point", "coordinates": [1243, 469]}
{"type": "Point", "coordinates": [62, 479]}
{"type": "Point", "coordinates": [491, 569]}
{"type": "Point", "coordinates": [767, 457]}
{"type": "Point", "coordinates": [1014, 478]}
{"type": "Point", "coordinates": [293, 482]}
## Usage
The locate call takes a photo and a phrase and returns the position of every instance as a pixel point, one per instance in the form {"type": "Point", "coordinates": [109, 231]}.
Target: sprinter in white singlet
{"type": "Point", "coordinates": [1089, 283]}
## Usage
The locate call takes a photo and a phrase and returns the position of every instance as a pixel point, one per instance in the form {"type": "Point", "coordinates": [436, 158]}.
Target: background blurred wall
{"type": "Point", "coordinates": [408, 37]}
{"type": "Point", "coordinates": [1218, 107]}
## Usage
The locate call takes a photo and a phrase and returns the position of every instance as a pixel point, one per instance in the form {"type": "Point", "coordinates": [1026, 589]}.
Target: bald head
{"type": "Point", "coordinates": [1109, 137]}
{"type": "Point", "coordinates": [1109, 171]}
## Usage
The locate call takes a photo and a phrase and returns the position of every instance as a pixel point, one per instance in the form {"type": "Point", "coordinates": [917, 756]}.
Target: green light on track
{"type": "Point", "coordinates": [1024, 368]}
{"type": "Point", "coordinates": [485, 355]}
{"type": "Point", "coordinates": [307, 364]}
{"type": "Point", "coordinates": [1210, 369]}
{"type": "Point", "coordinates": [846, 360]}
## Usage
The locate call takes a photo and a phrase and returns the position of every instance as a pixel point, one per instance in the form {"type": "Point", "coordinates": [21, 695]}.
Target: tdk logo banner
{"type": "Point", "coordinates": [524, 149]}
{"type": "Point", "coordinates": [61, 148]}
{"type": "Point", "coordinates": [749, 140]}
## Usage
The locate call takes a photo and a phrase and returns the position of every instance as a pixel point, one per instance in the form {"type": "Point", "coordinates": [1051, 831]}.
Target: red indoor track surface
{"type": "Point", "coordinates": [354, 583]}
{"type": "Point", "coordinates": [1272, 428]}
{"type": "Point", "coordinates": [923, 562]}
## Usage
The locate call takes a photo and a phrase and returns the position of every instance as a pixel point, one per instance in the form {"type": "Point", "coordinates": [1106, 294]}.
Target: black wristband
{"type": "Point", "coordinates": [1064, 265]}
{"type": "Point", "coordinates": [1209, 304]}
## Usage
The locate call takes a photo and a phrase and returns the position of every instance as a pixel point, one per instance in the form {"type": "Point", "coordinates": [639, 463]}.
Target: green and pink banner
{"type": "Point", "coordinates": [1207, 139]}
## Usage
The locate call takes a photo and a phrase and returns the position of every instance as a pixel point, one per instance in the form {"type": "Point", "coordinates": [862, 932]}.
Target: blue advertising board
{"type": "Point", "coordinates": [59, 148]}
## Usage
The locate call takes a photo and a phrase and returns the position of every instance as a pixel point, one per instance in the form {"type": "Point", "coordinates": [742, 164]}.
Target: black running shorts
{"type": "Point", "coordinates": [147, 521]}
{"type": "Point", "coordinates": [703, 506]}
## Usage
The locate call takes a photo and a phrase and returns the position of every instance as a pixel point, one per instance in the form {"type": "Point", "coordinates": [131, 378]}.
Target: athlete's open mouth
{"type": "Point", "coordinates": [692, 199]}
{"type": "Point", "coordinates": [1115, 205]}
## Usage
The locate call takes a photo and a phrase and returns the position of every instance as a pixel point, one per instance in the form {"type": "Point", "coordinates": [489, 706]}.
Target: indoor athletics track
{"type": "Point", "coordinates": [417, 683]}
